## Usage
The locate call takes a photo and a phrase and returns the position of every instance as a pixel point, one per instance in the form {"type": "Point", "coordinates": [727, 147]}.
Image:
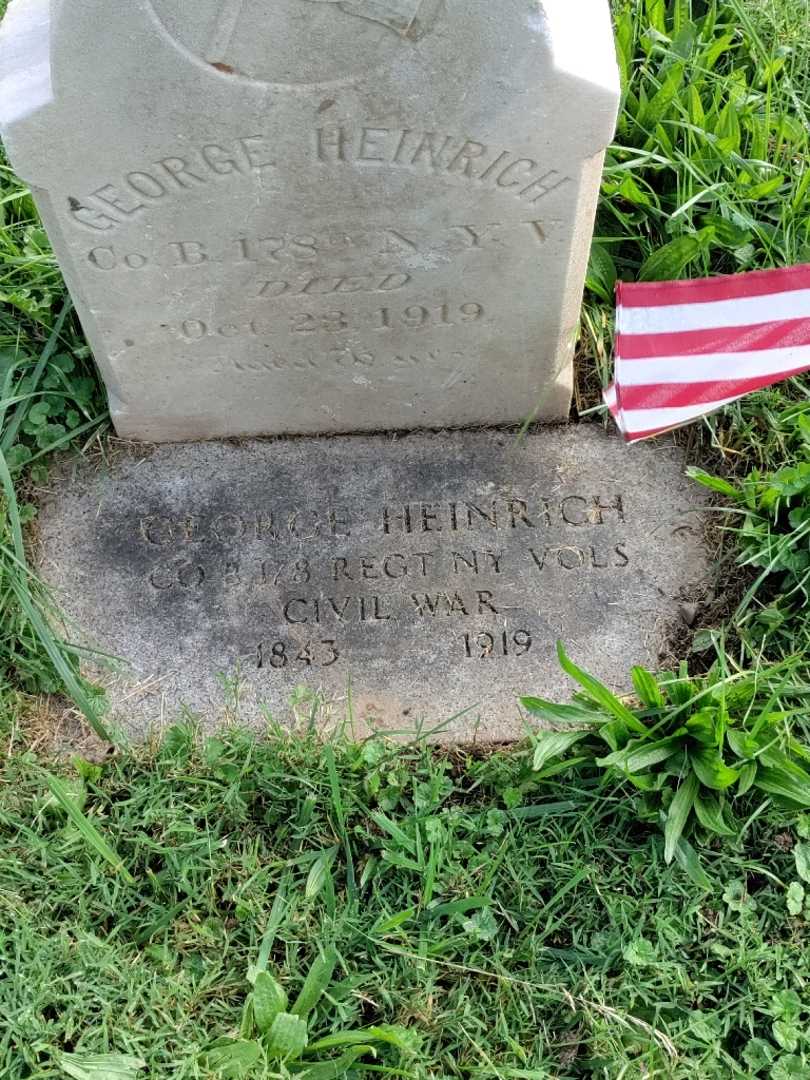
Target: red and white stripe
{"type": "Point", "coordinates": [686, 348]}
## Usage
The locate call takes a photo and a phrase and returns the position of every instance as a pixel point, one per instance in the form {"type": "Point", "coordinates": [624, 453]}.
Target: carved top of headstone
{"type": "Point", "coordinates": [316, 215]}
{"type": "Point", "coordinates": [296, 42]}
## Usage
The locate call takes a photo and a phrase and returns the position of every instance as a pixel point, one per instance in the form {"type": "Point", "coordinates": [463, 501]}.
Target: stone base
{"type": "Point", "coordinates": [418, 582]}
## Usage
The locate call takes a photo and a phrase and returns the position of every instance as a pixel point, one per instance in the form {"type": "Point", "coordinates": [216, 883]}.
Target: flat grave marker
{"type": "Point", "coordinates": [398, 581]}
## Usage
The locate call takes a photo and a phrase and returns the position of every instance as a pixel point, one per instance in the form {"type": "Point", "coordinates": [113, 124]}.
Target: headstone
{"type": "Point", "coordinates": [313, 216]}
{"type": "Point", "coordinates": [394, 583]}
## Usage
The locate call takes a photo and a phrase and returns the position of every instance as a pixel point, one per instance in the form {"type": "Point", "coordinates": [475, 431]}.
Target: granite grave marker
{"type": "Point", "coordinates": [312, 216]}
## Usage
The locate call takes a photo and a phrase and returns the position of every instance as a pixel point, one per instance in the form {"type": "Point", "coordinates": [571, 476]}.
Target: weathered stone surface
{"type": "Point", "coordinates": [316, 216]}
{"type": "Point", "coordinates": [431, 574]}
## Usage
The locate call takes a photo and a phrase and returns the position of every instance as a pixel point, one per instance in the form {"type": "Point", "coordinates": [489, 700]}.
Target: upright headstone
{"type": "Point", "coordinates": [316, 215]}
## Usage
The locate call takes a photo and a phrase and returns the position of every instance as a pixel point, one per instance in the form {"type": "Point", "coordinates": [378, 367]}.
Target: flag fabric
{"type": "Point", "coordinates": [686, 348]}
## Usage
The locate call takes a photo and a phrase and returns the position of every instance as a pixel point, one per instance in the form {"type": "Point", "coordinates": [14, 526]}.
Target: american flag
{"type": "Point", "coordinates": [686, 348]}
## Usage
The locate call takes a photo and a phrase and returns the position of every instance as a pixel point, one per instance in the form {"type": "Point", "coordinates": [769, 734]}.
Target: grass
{"type": "Point", "coordinates": [49, 399]}
{"type": "Point", "coordinates": [514, 927]}
{"type": "Point", "coordinates": [508, 921]}
{"type": "Point", "coordinates": [709, 170]}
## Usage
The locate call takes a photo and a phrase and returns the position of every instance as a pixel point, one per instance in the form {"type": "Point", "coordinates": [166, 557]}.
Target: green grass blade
{"type": "Point", "coordinates": [387, 825]}
{"type": "Point", "coordinates": [17, 577]}
{"type": "Point", "coordinates": [10, 434]}
{"type": "Point", "coordinates": [68, 437]}
{"type": "Point", "coordinates": [56, 655]}
{"type": "Point", "coordinates": [317, 980]}
{"type": "Point", "coordinates": [599, 692]}
{"type": "Point", "coordinates": [12, 509]}
{"type": "Point", "coordinates": [86, 829]}
{"type": "Point", "coordinates": [340, 813]}
{"type": "Point", "coordinates": [275, 919]}
{"type": "Point", "coordinates": [332, 1070]}
{"type": "Point", "coordinates": [687, 858]}
{"type": "Point", "coordinates": [679, 810]}
{"type": "Point", "coordinates": [101, 1066]}
{"type": "Point", "coordinates": [550, 744]}
{"type": "Point", "coordinates": [394, 921]}
{"type": "Point", "coordinates": [391, 1034]}
{"type": "Point", "coordinates": [640, 754]}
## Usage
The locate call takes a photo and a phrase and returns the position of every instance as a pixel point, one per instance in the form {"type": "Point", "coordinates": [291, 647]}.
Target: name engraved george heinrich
{"type": "Point", "coordinates": [463, 576]}
{"type": "Point", "coordinates": [166, 178]}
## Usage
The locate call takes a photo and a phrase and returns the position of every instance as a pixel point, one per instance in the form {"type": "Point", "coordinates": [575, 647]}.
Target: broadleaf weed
{"type": "Point", "coordinates": [691, 749]}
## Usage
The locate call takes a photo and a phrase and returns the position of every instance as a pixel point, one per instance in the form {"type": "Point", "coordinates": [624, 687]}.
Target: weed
{"type": "Point", "coordinates": [770, 521]}
{"type": "Point", "coordinates": [281, 1038]}
{"type": "Point", "coordinates": [691, 749]}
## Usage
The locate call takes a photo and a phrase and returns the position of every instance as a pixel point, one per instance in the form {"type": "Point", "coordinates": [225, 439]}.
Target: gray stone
{"type": "Point", "coordinates": [316, 216]}
{"type": "Point", "coordinates": [400, 582]}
